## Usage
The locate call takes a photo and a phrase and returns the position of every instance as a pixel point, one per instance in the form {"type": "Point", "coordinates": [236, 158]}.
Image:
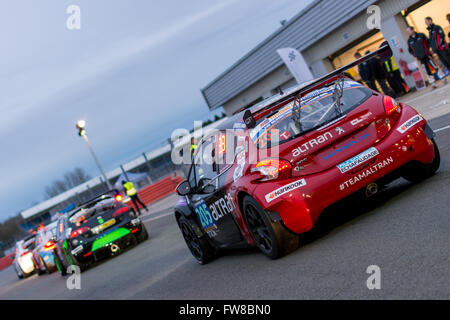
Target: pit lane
{"type": "Point", "coordinates": [403, 230]}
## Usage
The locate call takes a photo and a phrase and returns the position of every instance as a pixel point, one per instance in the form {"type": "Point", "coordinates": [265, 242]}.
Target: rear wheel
{"type": "Point", "coordinates": [143, 235]}
{"type": "Point", "coordinates": [42, 262]}
{"type": "Point", "coordinates": [272, 238]}
{"type": "Point", "coordinates": [199, 247]}
{"type": "Point", "coordinates": [59, 265]}
{"type": "Point", "coordinates": [417, 171]}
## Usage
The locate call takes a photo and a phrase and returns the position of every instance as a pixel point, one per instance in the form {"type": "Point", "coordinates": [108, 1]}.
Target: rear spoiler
{"type": "Point", "coordinates": [109, 192]}
{"type": "Point", "coordinates": [249, 120]}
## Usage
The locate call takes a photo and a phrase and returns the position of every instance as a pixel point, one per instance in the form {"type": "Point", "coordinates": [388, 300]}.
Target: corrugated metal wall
{"type": "Point", "coordinates": [301, 31]}
{"type": "Point", "coordinates": [324, 20]}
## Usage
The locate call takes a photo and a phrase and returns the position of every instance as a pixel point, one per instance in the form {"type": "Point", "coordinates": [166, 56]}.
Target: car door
{"type": "Point", "coordinates": [214, 210]}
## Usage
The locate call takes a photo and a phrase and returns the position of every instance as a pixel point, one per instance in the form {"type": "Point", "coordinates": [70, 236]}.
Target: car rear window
{"type": "Point", "coordinates": [279, 126]}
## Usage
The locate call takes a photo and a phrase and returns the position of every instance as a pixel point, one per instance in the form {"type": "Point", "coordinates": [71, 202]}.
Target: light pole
{"type": "Point", "coordinates": [81, 126]}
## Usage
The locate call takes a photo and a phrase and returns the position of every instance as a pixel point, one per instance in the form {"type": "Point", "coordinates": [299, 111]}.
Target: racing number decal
{"type": "Point", "coordinates": [205, 217]}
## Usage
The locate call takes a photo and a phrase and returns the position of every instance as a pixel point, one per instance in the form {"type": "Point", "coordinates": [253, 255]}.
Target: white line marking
{"type": "Point", "coordinates": [442, 129]}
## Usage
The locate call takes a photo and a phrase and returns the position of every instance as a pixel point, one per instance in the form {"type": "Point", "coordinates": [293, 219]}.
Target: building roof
{"type": "Point", "coordinates": [303, 30]}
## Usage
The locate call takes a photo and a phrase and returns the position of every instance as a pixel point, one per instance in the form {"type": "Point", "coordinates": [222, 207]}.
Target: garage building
{"type": "Point", "coordinates": [327, 33]}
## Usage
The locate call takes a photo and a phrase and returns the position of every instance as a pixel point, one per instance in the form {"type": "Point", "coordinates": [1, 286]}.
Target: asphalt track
{"type": "Point", "coordinates": [404, 230]}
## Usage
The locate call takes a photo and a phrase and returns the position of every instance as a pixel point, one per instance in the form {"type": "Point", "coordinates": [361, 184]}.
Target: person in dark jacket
{"type": "Point", "coordinates": [418, 46]}
{"type": "Point", "coordinates": [380, 75]}
{"type": "Point", "coordinates": [394, 76]}
{"type": "Point", "coordinates": [437, 42]}
{"type": "Point", "coordinates": [366, 74]}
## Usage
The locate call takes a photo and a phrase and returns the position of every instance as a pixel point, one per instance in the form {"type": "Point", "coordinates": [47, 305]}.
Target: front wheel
{"type": "Point", "coordinates": [417, 171]}
{"type": "Point", "coordinates": [272, 238]}
{"type": "Point", "coordinates": [20, 274]}
{"type": "Point", "coordinates": [199, 247]}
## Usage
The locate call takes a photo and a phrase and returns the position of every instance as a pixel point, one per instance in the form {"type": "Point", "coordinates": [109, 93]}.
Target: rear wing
{"type": "Point", "coordinates": [112, 193]}
{"type": "Point", "coordinates": [250, 118]}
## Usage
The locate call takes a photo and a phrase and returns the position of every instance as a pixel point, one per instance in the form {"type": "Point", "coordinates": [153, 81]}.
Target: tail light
{"type": "Point", "coordinates": [78, 232]}
{"type": "Point", "coordinates": [272, 169]}
{"type": "Point", "coordinates": [391, 105]}
{"type": "Point", "coordinates": [119, 198]}
{"type": "Point", "coordinates": [50, 245]}
{"type": "Point", "coordinates": [25, 253]}
{"type": "Point", "coordinates": [120, 211]}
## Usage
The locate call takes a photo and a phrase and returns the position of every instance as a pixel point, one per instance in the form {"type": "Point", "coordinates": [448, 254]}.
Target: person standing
{"type": "Point", "coordinates": [193, 145]}
{"type": "Point", "coordinates": [366, 74]}
{"type": "Point", "coordinates": [418, 46]}
{"type": "Point", "coordinates": [132, 193]}
{"type": "Point", "coordinates": [380, 75]}
{"type": "Point", "coordinates": [394, 76]}
{"type": "Point", "coordinates": [437, 42]}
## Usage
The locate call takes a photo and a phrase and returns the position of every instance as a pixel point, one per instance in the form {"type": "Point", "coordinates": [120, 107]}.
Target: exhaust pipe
{"type": "Point", "coordinates": [114, 248]}
{"type": "Point", "coordinates": [371, 189]}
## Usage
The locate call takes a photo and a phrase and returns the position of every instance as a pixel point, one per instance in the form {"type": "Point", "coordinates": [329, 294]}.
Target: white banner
{"type": "Point", "coordinates": [296, 64]}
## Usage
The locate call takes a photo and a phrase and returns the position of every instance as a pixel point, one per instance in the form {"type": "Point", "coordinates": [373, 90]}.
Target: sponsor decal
{"type": "Point", "coordinates": [311, 143]}
{"type": "Point", "coordinates": [339, 130]}
{"type": "Point", "coordinates": [410, 123]}
{"type": "Point", "coordinates": [285, 189]}
{"type": "Point", "coordinates": [360, 119]}
{"type": "Point", "coordinates": [358, 160]}
{"type": "Point", "coordinates": [77, 250]}
{"type": "Point", "coordinates": [367, 173]}
{"type": "Point", "coordinates": [346, 146]}
{"type": "Point", "coordinates": [222, 207]}
{"type": "Point", "coordinates": [205, 217]}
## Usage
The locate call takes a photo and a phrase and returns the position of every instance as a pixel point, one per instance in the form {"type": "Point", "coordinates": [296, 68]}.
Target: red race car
{"type": "Point", "coordinates": [267, 174]}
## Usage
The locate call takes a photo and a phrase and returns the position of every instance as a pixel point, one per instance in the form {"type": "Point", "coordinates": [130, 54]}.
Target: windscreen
{"type": "Point", "coordinates": [315, 110]}
{"type": "Point", "coordinates": [82, 215]}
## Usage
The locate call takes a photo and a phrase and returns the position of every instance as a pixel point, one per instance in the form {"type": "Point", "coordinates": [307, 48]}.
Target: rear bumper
{"type": "Point", "coordinates": [300, 208]}
{"type": "Point", "coordinates": [48, 258]}
{"type": "Point", "coordinates": [122, 236]}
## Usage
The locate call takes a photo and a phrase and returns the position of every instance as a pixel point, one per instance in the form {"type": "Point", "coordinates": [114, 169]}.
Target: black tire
{"type": "Point", "coordinates": [199, 247]}
{"type": "Point", "coordinates": [143, 235]}
{"type": "Point", "coordinates": [272, 238]}
{"type": "Point", "coordinates": [20, 276]}
{"type": "Point", "coordinates": [417, 171]}
{"type": "Point", "coordinates": [60, 265]}
{"type": "Point", "coordinates": [41, 272]}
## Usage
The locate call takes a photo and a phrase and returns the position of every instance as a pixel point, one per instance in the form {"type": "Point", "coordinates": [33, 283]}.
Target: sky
{"type": "Point", "coordinates": [133, 71]}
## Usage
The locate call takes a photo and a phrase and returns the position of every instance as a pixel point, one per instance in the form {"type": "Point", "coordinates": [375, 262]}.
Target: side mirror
{"type": "Point", "coordinates": [184, 188]}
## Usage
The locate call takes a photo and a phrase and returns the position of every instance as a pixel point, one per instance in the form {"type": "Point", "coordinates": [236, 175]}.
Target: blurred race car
{"type": "Point", "coordinates": [43, 249]}
{"type": "Point", "coordinates": [269, 172]}
{"type": "Point", "coordinates": [96, 229]}
{"type": "Point", "coordinates": [23, 262]}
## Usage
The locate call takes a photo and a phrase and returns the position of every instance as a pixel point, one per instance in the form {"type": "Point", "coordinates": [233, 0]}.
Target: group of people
{"type": "Point", "coordinates": [384, 71]}
{"type": "Point", "coordinates": [423, 47]}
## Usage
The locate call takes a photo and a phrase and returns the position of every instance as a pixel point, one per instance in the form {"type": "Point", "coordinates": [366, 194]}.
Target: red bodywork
{"type": "Point", "coordinates": [324, 183]}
